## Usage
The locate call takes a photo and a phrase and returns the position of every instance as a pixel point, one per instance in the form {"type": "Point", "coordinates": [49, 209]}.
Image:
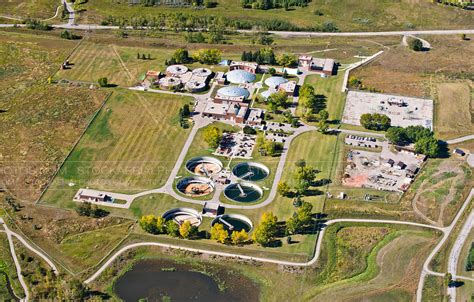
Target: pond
{"type": "Point", "coordinates": [166, 280]}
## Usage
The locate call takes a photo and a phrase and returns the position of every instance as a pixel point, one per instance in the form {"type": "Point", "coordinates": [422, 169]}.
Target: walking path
{"type": "Point", "coordinates": [15, 260]}
{"type": "Point", "coordinates": [456, 251]}
{"type": "Point", "coordinates": [312, 261]}
{"type": "Point", "coordinates": [460, 139]}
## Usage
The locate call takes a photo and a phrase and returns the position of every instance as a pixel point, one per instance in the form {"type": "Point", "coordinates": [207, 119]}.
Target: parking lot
{"type": "Point", "coordinates": [402, 111]}
{"type": "Point", "coordinates": [236, 145]}
{"type": "Point", "coordinates": [362, 141]}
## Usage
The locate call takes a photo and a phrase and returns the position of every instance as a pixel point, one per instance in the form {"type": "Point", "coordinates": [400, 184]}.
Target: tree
{"type": "Point", "coordinates": [180, 56]}
{"type": "Point", "coordinates": [208, 56]}
{"type": "Point", "coordinates": [239, 237]}
{"type": "Point", "coordinates": [283, 189]}
{"type": "Point", "coordinates": [448, 279]}
{"type": "Point", "coordinates": [186, 112]}
{"type": "Point", "coordinates": [416, 44]}
{"type": "Point", "coordinates": [84, 208]}
{"type": "Point", "coordinates": [186, 229]}
{"type": "Point", "coordinates": [249, 130]}
{"type": "Point", "coordinates": [428, 146]}
{"type": "Point", "coordinates": [272, 71]}
{"type": "Point", "coordinates": [323, 115]}
{"type": "Point", "coordinates": [160, 225]}
{"type": "Point", "coordinates": [212, 136]}
{"type": "Point", "coordinates": [286, 60]}
{"type": "Point", "coordinates": [304, 213]}
{"type": "Point", "coordinates": [172, 228]}
{"type": "Point", "coordinates": [266, 230]}
{"type": "Point", "coordinates": [278, 99]}
{"type": "Point", "coordinates": [149, 224]}
{"type": "Point", "coordinates": [306, 173]}
{"type": "Point", "coordinates": [263, 38]}
{"type": "Point", "coordinates": [376, 121]}
{"type": "Point", "coordinates": [103, 82]}
{"type": "Point", "coordinates": [293, 224]}
{"type": "Point", "coordinates": [300, 163]}
{"type": "Point", "coordinates": [396, 135]}
{"type": "Point", "coordinates": [323, 126]}
{"type": "Point", "coordinates": [219, 233]}
{"type": "Point", "coordinates": [75, 291]}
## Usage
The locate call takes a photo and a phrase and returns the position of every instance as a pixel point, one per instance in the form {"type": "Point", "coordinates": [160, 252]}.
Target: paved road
{"type": "Point", "coordinates": [447, 232]}
{"type": "Point", "coordinates": [312, 261]}
{"type": "Point", "coordinates": [456, 251]}
{"type": "Point", "coordinates": [72, 14]}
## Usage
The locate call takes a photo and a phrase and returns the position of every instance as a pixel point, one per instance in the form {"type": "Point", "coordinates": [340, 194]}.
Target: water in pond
{"type": "Point", "coordinates": [250, 172]}
{"type": "Point", "coordinates": [153, 279]}
{"type": "Point", "coordinates": [251, 194]}
{"type": "Point", "coordinates": [237, 223]}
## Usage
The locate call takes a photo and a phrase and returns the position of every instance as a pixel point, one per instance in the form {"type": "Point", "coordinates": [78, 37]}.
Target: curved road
{"type": "Point", "coordinates": [267, 260]}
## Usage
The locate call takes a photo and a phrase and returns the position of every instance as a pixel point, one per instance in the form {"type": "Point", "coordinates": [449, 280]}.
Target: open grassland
{"type": "Point", "coordinates": [8, 270]}
{"type": "Point", "coordinates": [38, 122]}
{"type": "Point", "coordinates": [467, 252]}
{"type": "Point", "coordinates": [440, 190]}
{"type": "Point", "coordinates": [454, 116]}
{"type": "Point", "coordinates": [88, 248]}
{"type": "Point", "coordinates": [38, 9]}
{"type": "Point", "coordinates": [371, 263]}
{"type": "Point", "coordinates": [403, 71]}
{"type": "Point", "coordinates": [130, 147]}
{"type": "Point", "coordinates": [348, 14]}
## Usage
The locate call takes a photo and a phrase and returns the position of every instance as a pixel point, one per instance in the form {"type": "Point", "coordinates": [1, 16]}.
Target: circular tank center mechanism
{"type": "Point", "coordinates": [180, 215]}
{"type": "Point", "coordinates": [250, 171]}
{"type": "Point", "coordinates": [195, 186]}
{"type": "Point", "coordinates": [233, 222]}
{"type": "Point", "coordinates": [243, 192]}
{"type": "Point", "coordinates": [204, 166]}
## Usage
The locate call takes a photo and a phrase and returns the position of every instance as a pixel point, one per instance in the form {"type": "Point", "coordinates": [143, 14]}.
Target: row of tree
{"type": "Point", "coordinates": [423, 138]}
{"type": "Point", "coordinates": [158, 225]}
{"type": "Point", "coordinates": [267, 56]}
{"type": "Point", "coordinates": [303, 178]}
{"type": "Point", "coordinates": [203, 56]}
{"type": "Point", "coordinates": [269, 4]}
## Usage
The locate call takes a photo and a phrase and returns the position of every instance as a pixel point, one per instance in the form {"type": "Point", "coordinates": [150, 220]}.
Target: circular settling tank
{"type": "Point", "coordinates": [250, 171]}
{"type": "Point", "coordinates": [204, 166]}
{"type": "Point", "coordinates": [195, 186]}
{"type": "Point", "coordinates": [243, 192]}
{"type": "Point", "coordinates": [233, 222]}
{"type": "Point", "coordinates": [180, 215]}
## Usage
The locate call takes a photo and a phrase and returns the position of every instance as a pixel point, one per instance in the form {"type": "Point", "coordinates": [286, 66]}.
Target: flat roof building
{"type": "Point", "coordinates": [325, 66]}
{"type": "Point", "coordinates": [247, 66]}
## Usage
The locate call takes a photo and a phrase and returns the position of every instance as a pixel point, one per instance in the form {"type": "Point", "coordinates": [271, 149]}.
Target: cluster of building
{"type": "Point", "coordinates": [179, 76]}
{"type": "Point", "coordinates": [324, 66]}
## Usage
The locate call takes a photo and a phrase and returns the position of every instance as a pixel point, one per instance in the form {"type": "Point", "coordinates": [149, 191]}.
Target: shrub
{"type": "Point", "coordinates": [103, 82]}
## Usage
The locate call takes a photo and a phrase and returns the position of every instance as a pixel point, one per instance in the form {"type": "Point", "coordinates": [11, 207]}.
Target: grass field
{"type": "Point", "coordinates": [348, 14]}
{"type": "Point", "coordinates": [434, 289]}
{"type": "Point", "coordinates": [130, 147]}
{"type": "Point", "coordinates": [454, 110]}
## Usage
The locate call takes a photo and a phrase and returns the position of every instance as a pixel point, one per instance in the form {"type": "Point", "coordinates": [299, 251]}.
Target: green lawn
{"type": "Point", "coordinates": [330, 90]}
{"type": "Point", "coordinates": [131, 146]}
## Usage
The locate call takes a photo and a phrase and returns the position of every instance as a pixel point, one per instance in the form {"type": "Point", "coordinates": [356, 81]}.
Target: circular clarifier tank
{"type": "Point", "coordinates": [180, 215]}
{"type": "Point", "coordinates": [243, 192]}
{"type": "Point", "coordinates": [250, 171]}
{"type": "Point", "coordinates": [233, 222]}
{"type": "Point", "coordinates": [195, 186]}
{"type": "Point", "coordinates": [204, 166]}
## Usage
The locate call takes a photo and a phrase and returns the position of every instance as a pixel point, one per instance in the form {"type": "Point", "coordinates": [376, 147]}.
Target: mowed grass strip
{"type": "Point", "coordinates": [131, 146]}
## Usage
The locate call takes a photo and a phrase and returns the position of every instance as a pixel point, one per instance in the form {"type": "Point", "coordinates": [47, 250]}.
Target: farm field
{"type": "Point", "coordinates": [39, 121]}
{"type": "Point", "coordinates": [348, 15]}
{"type": "Point", "coordinates": [126, 149]}
{"type": "Point", "coordinates": [454, 114]}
